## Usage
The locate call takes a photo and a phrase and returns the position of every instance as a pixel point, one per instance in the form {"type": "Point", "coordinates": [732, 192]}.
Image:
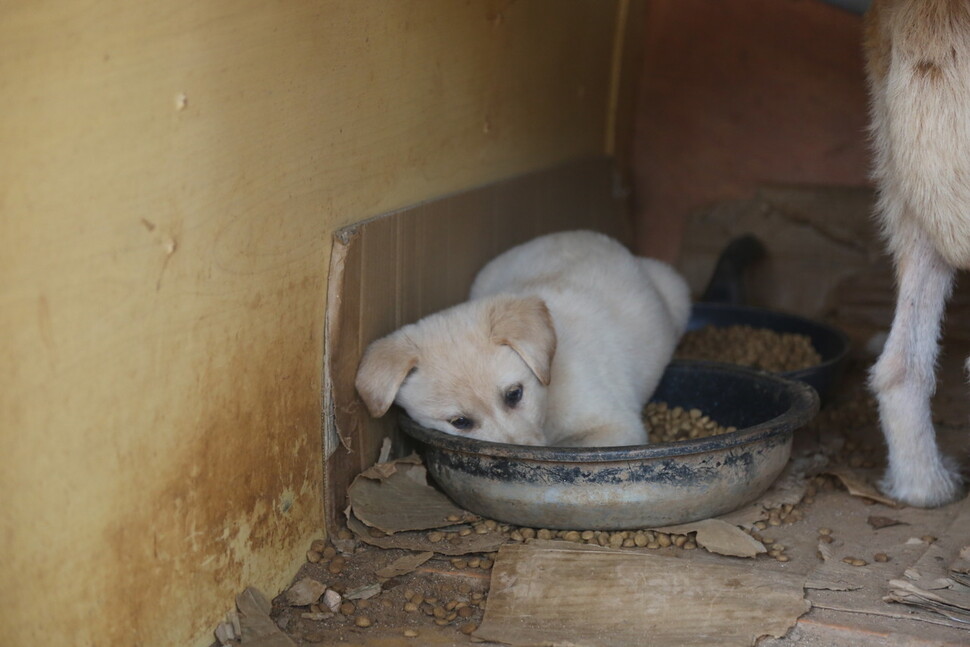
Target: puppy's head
{"type": "Point", "coordinates": [479, 369]}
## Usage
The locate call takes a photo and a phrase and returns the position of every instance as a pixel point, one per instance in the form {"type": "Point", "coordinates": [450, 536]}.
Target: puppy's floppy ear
{"type": "Point", "coordinates": [526, 326]}
{"type": "Point", "coordinates": [382, 370]}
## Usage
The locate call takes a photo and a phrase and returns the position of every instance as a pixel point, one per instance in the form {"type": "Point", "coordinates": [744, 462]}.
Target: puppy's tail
{"type": "Point", "coordinates": [673, 289]}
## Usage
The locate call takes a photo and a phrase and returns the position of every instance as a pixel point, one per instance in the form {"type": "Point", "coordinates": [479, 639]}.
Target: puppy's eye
{"type": "Point", "coordinates": [513, 395]}
{"type": "Point", "coordinates": [461, 423]}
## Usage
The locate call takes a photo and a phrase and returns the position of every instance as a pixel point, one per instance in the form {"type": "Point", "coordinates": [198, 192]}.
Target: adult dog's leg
{"type": "Point", "coordinates": [904, 380]}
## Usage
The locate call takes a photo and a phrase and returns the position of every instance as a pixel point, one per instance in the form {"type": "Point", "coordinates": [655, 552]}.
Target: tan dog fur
{"type": "Point", "coordinates": [918, 65]}
{"type": "Point", "coordinates": [572, 323]}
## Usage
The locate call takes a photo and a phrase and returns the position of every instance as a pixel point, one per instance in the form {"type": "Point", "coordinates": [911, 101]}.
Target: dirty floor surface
{"type": "Point", "coordinates": [865, 544]}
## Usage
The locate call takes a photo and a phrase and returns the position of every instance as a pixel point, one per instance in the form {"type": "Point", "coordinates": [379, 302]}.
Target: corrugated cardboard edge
{"type": "Point", "coordinates": [338, 258]}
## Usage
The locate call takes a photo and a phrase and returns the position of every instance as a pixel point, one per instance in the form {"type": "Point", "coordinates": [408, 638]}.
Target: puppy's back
{"type": "Point", "coordinates": [553, 258]}
{"type": "Point", "coordinates": [673, 290]}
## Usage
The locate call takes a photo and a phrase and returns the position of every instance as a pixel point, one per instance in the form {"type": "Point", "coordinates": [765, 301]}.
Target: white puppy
{"type": "Point", "coordinates": [562, 343]}
{"type": "Point", "coordinates": [918, 64]}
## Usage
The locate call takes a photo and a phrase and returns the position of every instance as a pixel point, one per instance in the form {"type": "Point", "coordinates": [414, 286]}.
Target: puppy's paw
{"type": "Point", "coordinates": [924, 486]}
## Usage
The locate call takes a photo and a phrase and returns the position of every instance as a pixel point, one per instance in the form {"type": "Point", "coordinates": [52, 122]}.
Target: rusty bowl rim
{"type": "Point", "coordinates": [803, 407]}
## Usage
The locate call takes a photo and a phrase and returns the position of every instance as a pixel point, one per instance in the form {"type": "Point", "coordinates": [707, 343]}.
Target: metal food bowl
{"type": "Point", "coordinates": [640, 486]}
{"type": "Point", "coordinates": [829, 342]}
{"type": "Point", "coordinates": [722, 305]}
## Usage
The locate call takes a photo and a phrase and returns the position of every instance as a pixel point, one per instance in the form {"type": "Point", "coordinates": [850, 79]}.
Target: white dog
{"type": "Point", "coordinates": [562, 343]}
{"type": "Point", "coordinates": [918, 64]}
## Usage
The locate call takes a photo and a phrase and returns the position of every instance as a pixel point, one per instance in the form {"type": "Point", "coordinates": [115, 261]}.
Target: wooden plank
{"type": "Point", "coordinates": [557, 592]}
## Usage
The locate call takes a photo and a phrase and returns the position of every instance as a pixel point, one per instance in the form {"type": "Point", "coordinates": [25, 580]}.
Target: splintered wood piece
{"type": "Point", "coordinates": [543, 595]}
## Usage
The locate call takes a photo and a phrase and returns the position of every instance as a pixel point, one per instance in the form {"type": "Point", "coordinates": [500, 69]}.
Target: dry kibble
{"type": "Point", "coordinates": [782, 557]}
{"type": "Point", "coordinates": [929, 539]}
{"type": "Point", "coordinates": [749, 346]}
{"type": "Point", "coordinates": [347, 608]}
{"type": "Point", "coordinates": [318, 545]}
{"type": "Point", "coordinates": [466, 612]}
{"type": "Point", "coordinates": [572, 535]}
{"type": "Point", "coordinates": [668, 424]}
{"type": "Point", "coordinates": [329, 552]}
{"type": "Point", "coordinates": [474, 562]}
{"type": "Point", "coordinates": [363, 621]}
{"type": "Point", "coordinates": [453, 517]}
{"type": "Point", "coordinates": [825, 531]}
{"type": "Point", "coordinates": [663, 539]}
{"type": "Point", "coordinates": [469, 628]}
{"type": "Point", "coordinates": [435, 536]}
{"type": "Point", "coordinates": [336, 565]}
{"type": "Point", "coordinates": [411, 633]}
{"type": "Point", "coordinates": [544, 534]}
{"type": "Point", "coordinates": [313, 556]}
{"type": "Point", "coordinates": [881, 557]}
{"type": "Point", "coordinates": [343, 533]}
{"type": "Point", "coordinates": [410, 607]}
{"type": "Point", "coordinates": [854, 561]}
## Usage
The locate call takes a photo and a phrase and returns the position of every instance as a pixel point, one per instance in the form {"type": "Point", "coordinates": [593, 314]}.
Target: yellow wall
{"type": "Point", "coordinates": [170, 176]}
